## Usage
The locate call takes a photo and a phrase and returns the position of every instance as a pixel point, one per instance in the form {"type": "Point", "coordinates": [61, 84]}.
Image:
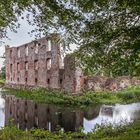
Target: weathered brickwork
{"type": "Point", "coordinates": [73, 78]}
{"type": "Point", "coordinates": [100, 83]}
{"type": "Point", "coordinates": [39, 64]}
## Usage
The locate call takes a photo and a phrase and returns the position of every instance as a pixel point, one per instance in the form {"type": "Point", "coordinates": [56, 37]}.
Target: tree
{"type": "Point", "coordinates": [111, 39]}
{"type": "Point", "coordinates": [2, 73]}
{"type": "Point", "coordinates": [108, 31]}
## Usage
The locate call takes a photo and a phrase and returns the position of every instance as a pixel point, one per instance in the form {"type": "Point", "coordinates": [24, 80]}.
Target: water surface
{"type": "Point", "coordinates": [28, 114]}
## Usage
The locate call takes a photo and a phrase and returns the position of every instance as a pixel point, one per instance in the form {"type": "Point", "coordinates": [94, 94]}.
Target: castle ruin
{"type": "Point", "coordinates": [39, 64]}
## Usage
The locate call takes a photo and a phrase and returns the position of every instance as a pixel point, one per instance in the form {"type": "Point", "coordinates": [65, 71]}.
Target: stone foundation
{"type": "Point", "coordinates": [98, 83]}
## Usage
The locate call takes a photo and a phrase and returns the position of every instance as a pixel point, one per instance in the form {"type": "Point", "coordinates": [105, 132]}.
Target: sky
{"type": "Point", "coordinates": [16, 39]}
{"type": "Point", "coordinates": [21, 37]}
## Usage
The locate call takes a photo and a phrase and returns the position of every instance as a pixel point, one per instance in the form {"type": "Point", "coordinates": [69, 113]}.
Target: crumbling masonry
{"type": "Point", "coordinates": [39, 64]}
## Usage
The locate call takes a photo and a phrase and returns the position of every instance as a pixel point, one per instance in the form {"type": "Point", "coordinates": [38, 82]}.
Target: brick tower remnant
{"type": "Point", "coordinates": [73, 76]}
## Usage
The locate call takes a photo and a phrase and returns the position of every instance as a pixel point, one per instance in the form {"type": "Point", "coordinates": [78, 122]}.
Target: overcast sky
{"type": "Point", "coordinates": [16, 39]}
{"type": "Point", "coordinates": [21, 37]}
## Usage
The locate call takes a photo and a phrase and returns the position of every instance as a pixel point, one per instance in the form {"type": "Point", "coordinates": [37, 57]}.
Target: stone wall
{"type": "Point", "coordinates": [73, 76]}
{"type": "Point", "coordinates": [33, 64]}
{"type": "Point", "coordinates": [39, 64]}
{"type": "Point", "coordinates": [100, 83]}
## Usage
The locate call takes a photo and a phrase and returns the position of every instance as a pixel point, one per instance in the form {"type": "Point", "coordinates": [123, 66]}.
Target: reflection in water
{"type": "Point", "coordinates": [114, 115]}
{"type": "Point", "coordinates": [28, 114]}
{"type": "Point", "coordinates": [2, 113]}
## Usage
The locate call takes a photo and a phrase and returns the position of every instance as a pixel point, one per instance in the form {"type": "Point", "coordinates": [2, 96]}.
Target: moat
{"type": "Point", "coordinates": [28, 114]}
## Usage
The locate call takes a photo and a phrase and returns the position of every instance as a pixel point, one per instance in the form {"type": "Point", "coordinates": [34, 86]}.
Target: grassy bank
{"type": "Point", "coordinates": [130, 132]}
{"type": "Point", "coordinates": [2, 82]}
{"type": "Point", "coordinates": [128, 95]}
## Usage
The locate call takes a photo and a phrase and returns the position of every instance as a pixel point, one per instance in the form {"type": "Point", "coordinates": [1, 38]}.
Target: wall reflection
{"type": "Point", "coordinates": [28, 114]}
{"type": "Point", "coordinates": [2, 111]}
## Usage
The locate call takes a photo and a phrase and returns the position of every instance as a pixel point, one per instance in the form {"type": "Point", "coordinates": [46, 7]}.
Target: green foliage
{"type": "Point", "coordinates": [2, 73]}
{"type": "Point", "coordinates": [117, 133]}
{"type": "Point", "coordinates": [88, 98]}
{"type": "Point", "coordinates": [107, 31]}
{"type": "Point", "coordinates": [101, 133]}
{"type": "Point", "coordinates": [2, 82]}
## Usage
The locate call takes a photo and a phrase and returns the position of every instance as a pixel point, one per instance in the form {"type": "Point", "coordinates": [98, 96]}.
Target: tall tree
{"type": "Point", "coordinates": [108, 31]}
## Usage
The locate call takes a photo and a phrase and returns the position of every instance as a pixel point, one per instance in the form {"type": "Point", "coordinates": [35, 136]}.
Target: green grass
{"type": "Point", "coordinates": [2, 81]}
{"type": "Point", "coordinates": [129, 95]}
{"type": "Point", "coordinates": [129, 132]}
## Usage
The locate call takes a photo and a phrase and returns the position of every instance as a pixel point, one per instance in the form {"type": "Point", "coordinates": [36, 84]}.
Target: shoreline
{"type": "Point", "coordinates": [87, 98]}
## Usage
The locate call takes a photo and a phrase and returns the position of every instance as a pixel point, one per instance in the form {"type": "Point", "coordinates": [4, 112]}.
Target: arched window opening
{"type": "Point", "coordinates": [36, 64]}
{"type": "Point", "coordinates": [26, 65]}
{"type": "Point", "coordinates": [26, 50]}
{"type": "Point", "coordinates": [18, 52]}
{"type": "Point", "coordinates": [36, 48]}
{"type": "Point", "coordinates": [48, 64]}
{"type": "Point", "coordinates": [49, 45]}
